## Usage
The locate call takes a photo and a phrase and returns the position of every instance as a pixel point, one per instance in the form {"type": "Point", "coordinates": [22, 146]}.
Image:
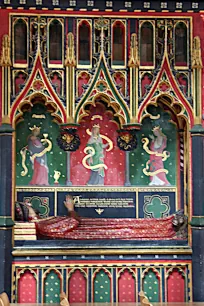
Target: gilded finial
{"type": "Point", "coordinates": [196, 54]}
{"type": "Point", "coordinates": [133, 60]}
{"type": "Point", "coordinates": [5, 52]}
{"type": "Point", "coordinates": [70, 58]}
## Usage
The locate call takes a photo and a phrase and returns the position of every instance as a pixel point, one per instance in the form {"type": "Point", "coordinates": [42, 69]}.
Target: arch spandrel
{"type": "Point", "coordinates": [166, 85]}
{"type": "Point", "coordinates": [37, 84]}
{"type": "Point", "coordinates": [102, 84]}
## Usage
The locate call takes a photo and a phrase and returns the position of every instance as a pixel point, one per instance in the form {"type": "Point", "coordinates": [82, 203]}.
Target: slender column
{"type": "Point", "coordinates": [5, 63]}
{"type": "Point", "coordinates": [127, 169]}
{"type": "Point", "coordinates": [6, 222]}
{"type": "Point", "coordinates": [70, 84]}
{"type": "Point", "coordinates": [197, 222]}
{"type": "Point", "coordinates": [197, 79]}
{"type": "Point", "coordinates": [68, 180]}
{"type": "Point", "coordinates": [197, 133]}
{"type": "Point", "coordinates": [133, 63]}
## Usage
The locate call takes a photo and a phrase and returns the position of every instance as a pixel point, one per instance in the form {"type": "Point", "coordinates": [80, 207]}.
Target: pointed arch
{"type": "Point", "coordinates": [181, 46]}
{"type": "Point", "coordinates": [151, 284]}
{"type": "Point", "coordinates": [110, 105]}
{"type": "Point", "coordinates": [40, 112]}
{"type": "Point", "coordinates": [20, 45]}
{"type": "Point", "coordinates": [118, 43]}
{"type": "Point", "coordinates": [27, 286]}
{"type": "Point", "coordinates": [26, 94]}
{"type": "Point", "coordinates": [55, 42]}
{"type": "Point", "coordinates": [126, 286]}
{"type": "Point", "coordinates": [77, 286]}
{"type": "Point", "coordinates": [146, 44]}
{"type": "Point", "coordinates": [176, 96]}
{"type": "Point", "coordinates": [171, 116]}
{"type": "Point", "coordinates": [102, 285]}
{"type": "Point", "coordinates": [176, 285]}
{"type": "Point", "coordinates": [111, 92]}
{"type": "Point", "coordinates": [84, 43]}
{"type": "Point", "coordinates": [52, 286]}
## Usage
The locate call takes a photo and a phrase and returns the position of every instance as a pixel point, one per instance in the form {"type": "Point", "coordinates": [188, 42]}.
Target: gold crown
{"type": "Point", "coordinates": [35, 128]}
{"type": "Point", "coordinates": [157, 127]}
{"type": "Point", "coordinates": [96, 125]}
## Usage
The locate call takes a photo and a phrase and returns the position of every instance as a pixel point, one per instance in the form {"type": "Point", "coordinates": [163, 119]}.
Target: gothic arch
{"type": "Point", "coordinates": [28, 103]}
{"type": "Point", "coordinates": [166, 85]}
{"type": "Point", "coordinates": [38, 85]}
{"type": "Point", "coordinates": [109, 104]}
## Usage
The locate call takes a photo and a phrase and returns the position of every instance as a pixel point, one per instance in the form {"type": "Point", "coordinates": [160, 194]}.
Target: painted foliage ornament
{"type": "Point", "coordinates": [127, 140]}
{"type": "Point", "coordinates": [68, 140]}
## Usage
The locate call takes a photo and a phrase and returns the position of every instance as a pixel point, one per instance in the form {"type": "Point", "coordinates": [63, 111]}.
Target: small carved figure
{"type": "Point", "coordinates": [180, 224]}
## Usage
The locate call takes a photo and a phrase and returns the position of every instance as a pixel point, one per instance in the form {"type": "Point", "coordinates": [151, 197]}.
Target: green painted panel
{"type": "Point", "coordinates": [56, 158]}
{"type": "Point", "coordinates": [102, 292]}
{"type": "Point", "coordinates": [151, 286]}
{"type": "Point", "coordinates": [52, 288]}
{"type": "Point", "coordinates": [140, 159]}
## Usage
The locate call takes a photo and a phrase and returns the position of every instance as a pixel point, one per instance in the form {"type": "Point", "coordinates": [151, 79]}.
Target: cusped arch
{"type": "Point", "coordinates": [28, 103]}
{"type": "Point", "coordinates": [37, 84]}
{"type": "Point", "coordinates": [175, 106]}
{"type": "Point", "coordinates": [127, 291]}
{"type": "Point", "coordinates": [102, 284]}
{"type": "Point", "coordinates": [151, 279]}
{"type": "Point", "coordinates": [118, 112]}
{"type": "Point", "coordinates": [52, 286]}
{"type": "Point", "coordinates": [27, 286]}
{"type": "Point", "coordinates": [165, 84]}
{"type": "Point", "coordinates": [176, 282]}
{"type": "Point", "coordinates": [77, 283]}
